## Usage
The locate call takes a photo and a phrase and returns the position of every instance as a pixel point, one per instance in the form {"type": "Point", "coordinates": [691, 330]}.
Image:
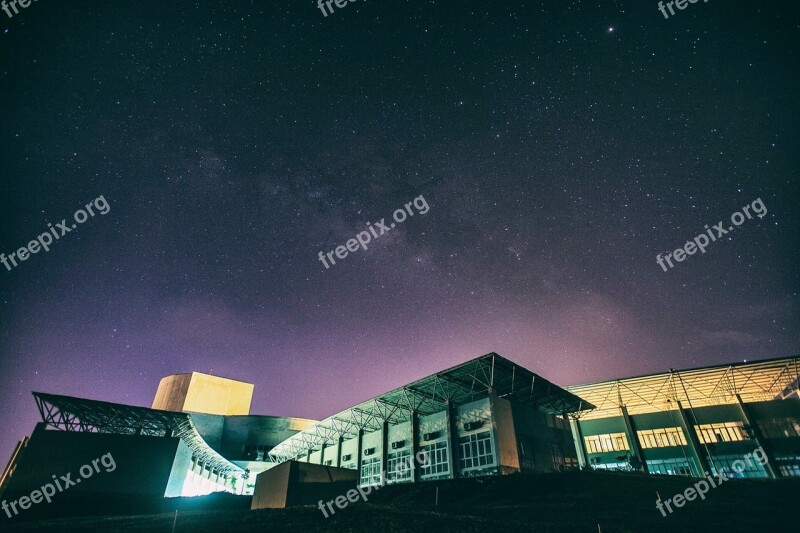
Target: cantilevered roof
{"type": "Point", "coordinates": [66, 413]}
{"type": "Point", "coordinates": [460, 384]}
{"type": "Point", "coordinates": [755, 381]}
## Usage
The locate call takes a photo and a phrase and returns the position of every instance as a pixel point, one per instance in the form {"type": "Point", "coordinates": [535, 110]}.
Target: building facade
{"type": "Point", "coordinates": [162, 453]}
{"type": "Point", "coordinates": [693, 421]}
{"type": "Point", "coordinates": [487, 416]}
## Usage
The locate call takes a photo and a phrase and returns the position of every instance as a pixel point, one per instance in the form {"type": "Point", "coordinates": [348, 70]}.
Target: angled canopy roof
{"type": "Point", "coordinates": [460, 384]}
{"type": "Point", "coordinates": [757, 381]}
{"type": "Point", "coordinates": [78, 414]}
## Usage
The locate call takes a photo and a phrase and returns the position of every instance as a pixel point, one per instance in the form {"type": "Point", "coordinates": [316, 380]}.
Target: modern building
{"type": "Point", "coordinates": [692, 421]}
{"type": "Point", "coordinates": [159, 452]}
{"type": "Point", "coordinates": [487, 416]}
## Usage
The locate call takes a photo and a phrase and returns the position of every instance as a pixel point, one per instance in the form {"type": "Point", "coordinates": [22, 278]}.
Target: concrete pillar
{"type": "Point", "coordinates": [633, 439]}
{"type": "Point", "coordinates": [414, 446]}
{"type": "Point", "coordinates": [580, 447]}
{"type": "Point", "coordinates": [322, 454]}
{"type": "Point", "coordinates": [359, 452]}
{"type": "Point", "coordinates": [452, 439]}
{"type": "Point", "coordinates": [385, 448]}
{"type": "Point", "coordinates": [338, 461]}
{"type": "Point", "coordinates": [693, 441]}
{"type": "Point", "coordinates": [759, 438]}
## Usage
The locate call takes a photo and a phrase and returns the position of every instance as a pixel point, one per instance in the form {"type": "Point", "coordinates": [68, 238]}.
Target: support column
{"type": "Point", "coordinates": [633, 439]}
{"type": "Point", "coordinates": [759, 438]}
{"type": "Point", "coordinates": [322, 454]}
{"type": "Point", "coordinates": [580, 448]}
{"type": "Point", "coordinates": [338, 461]}
{"type": "Point", "coordinates": [385, 450]}
{"type": "Point", "coordinates": [358, 454]}
{"type": "Point", "coordinates": [693, 441]}
{"type": "Point", "coordinates": [452, 440]}
{"type": "Point", "coordinates": [414, 447]}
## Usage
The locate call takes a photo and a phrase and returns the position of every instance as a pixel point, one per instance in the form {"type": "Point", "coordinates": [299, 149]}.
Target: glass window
{"type": "Point", "coordinates": [558, 456]}
{"type": "Point", "coordinates": [662, 437]}
{"type": "Point", "coordinates": [257, 452]}
{"type": "Point", "coordinates": [789, 465]}
{"type": "Point", "coordinates": [400, 466]}
{"type": "Point", "coordinates": [527, 450]}
{"type": "Point", "coordinates": [476, 451]}
{"type": "Point", "coordinates": [790, 470]}
{"type": "Point", "coordinates": [724, 463]}
{"type": "Point", "coordinates": [722, 432]}
{"type": "Point", "coordinates": [609, 442]}
{"type": "Point", "coordinates": [437, 453]}
{"type": "Point", "coordinates": [776, 428]}
{"type": "Point", "coordinates": [671, 467]}
{"type": "Point", "coordinates": [371, 471]}
{"type": "Point", "coordinates": [611, 466]}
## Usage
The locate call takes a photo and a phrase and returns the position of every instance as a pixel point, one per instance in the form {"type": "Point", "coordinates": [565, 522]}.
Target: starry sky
{"type": "Point", "coordinates": [560, 146]}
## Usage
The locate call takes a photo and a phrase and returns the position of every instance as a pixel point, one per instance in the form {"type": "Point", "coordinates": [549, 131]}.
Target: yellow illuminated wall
{"type": "Point", "coordinates": [202, 393]}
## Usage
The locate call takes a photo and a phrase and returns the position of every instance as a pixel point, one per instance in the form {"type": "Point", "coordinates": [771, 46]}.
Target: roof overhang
{"type": "Point", "coordinates": [772, 379]}
{"type": "Point", "coordinates": [67, 413]}
{"type": "Point", "coordinates": [458, 385]}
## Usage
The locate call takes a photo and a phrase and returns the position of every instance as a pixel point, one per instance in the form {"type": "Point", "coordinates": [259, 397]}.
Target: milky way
{"type": "Point", "coordinates": [561, 146]}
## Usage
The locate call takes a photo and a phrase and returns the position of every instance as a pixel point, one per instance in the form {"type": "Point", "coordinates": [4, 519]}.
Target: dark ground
{"type": "Point", "coordinates": [575, 501]}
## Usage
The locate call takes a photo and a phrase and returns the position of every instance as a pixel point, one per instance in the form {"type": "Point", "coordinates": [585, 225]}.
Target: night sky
{"type": "Point", "coordinates": [560, 148]}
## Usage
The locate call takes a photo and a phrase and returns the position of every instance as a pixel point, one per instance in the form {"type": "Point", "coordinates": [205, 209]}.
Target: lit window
{"type": "Point", "coordinates": [790, 470]}
{"type": "Point", "coordinates": [609, 442]}
{"type": "Point", "coordinates": [752, 467]}
{"type": "Point", "coordinates": [661, 438]}
{"type": "Point", "coordinates": [723, 432]}
{"type": "Point", "coordinates": [789, 465]}
{"type": "Point", "coordinates": [670, 467]}
{"type": "Point", "coordinates": [622, 467]}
